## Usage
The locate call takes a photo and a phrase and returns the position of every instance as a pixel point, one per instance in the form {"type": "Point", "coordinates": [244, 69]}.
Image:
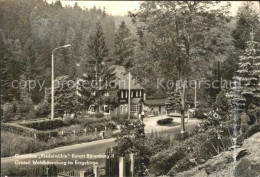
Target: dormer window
{"type": "Point", "coordinates": [125, 94]}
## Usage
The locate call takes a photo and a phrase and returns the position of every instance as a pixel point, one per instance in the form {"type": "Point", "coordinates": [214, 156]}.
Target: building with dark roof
{"type": "Point", "coordinates": [155, 106]}
{"type": "Point", "coordinates": [137, 95]}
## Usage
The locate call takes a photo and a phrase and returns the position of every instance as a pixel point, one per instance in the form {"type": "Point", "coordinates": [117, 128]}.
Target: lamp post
{"type": "Point", "coordinates": [195, 96]}
{"type": "Point", "coordinates": [52, 79]}
{"type": "Point", "coordinates": [129, 94]}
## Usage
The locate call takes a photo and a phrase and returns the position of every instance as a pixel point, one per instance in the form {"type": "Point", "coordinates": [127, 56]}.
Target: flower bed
{"type": "Point", "coordinates": [165, 121]}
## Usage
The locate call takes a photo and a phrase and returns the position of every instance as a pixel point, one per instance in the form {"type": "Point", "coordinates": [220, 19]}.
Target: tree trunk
{"type": "Point", "coordinates": [183, 107]}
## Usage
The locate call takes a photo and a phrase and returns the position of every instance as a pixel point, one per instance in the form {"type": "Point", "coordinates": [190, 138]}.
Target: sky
{"type": "Point", "coordinates": [122, 7]}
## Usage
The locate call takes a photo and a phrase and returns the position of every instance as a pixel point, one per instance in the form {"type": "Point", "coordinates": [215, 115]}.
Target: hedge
{"type": "Point", "coordinates": [51, 128]}
{"type": "Point", "coordinates": [101, 126]}
{"type": "Point", "coordinates": [45, 124]}
{"type": "Point", "coordinates": [18, 129]}
{"type": "Point", "coordinates": [59, 123]}
{"type": "Point", "coordinates": [30, 132]}
{"type": "Point", "coordinates": [165, 121]}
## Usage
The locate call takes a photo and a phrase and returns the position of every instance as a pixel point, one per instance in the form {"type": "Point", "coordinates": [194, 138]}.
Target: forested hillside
{"type": "Point", "coordinates": [30, 30]}
{"type": "Point", "coordinates": [148, 41]}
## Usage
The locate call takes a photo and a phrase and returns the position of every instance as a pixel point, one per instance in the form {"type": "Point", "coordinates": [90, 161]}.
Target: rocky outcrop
{"type": "Point", "coordinates": [241, 162]}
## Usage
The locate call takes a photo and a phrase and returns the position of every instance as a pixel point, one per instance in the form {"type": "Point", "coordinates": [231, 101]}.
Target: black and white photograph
{"type": "Point", "coordinates": [130, 88]}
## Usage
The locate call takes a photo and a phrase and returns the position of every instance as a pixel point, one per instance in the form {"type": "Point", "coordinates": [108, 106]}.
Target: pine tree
{"type": "Point", "coordinates": [86, 91]}
{"type": "Point", "coordinates": [124, 46]}
{"type": "Point", "coordinates": [247, 17]}
{"type": "Point", "coordinates": [97, 70]}
{"type": "Point", "coordinates": [247, 90]}
{"type": "Point", "coordinates": [173, 100]}
{"type": "Point", "coordinates": [66, 98]}
{"type": "Point", "coordinates": [7, 92]}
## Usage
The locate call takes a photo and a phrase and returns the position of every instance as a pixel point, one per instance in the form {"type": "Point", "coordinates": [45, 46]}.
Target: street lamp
{"type": "Point", "coordinates": [129, 92]}
{"type": "Point", "coordinates": [52, 79]}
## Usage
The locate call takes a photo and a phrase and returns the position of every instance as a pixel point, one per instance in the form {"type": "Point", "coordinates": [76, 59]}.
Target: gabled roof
{"type": "Point", "coordinates": [155, 102]}
{"type": "Point", "coordinates": [122, 79]}
{"type": "Point", "coordinates": [135, 100]}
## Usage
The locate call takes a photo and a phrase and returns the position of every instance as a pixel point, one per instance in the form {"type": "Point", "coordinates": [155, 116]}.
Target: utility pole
{"type": "Point", "coordinates": [183, 108]}
{"type": "Point", "coordinates": [52, 86]}
{"type": "Point", "coordinates": [195, 99]}
{"type": "Point", "coordinates": [129, 94]}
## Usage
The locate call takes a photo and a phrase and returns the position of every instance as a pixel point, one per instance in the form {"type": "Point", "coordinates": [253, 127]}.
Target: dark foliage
{"type": "Point", "coordinates": [165, 121]}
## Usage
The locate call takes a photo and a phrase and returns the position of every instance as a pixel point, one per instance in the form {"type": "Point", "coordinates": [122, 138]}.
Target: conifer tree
{"type": "Point", "coordinates": [98, 73]}
{"type": "Point", "coordinates": [247, 90]}
{"type": "Point", "coordinates": [66, 98]}
{"type": "Point", "coordinates": [123, 46]}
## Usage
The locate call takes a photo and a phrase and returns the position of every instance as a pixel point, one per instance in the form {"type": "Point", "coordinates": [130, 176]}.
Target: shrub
{"type": "Point", "coordinates": [101, 126]}
{"type": "Point", "coordinates": [43, 109]}
{"type": "Point", "coordinates": [16, 172]}
{"type": "Point", "coordinates": [12, 144]}
{"type": "Point", "coordinates": [199, 112]}
{"type": "Point", "coordinates": [7, 113]}
{"type": "Point", "coordinates": [182, 165]}
{"type": "Point", "coordinates": [46, 135]}
{"type": "Point", "coordinates": [28, 132]}
{"type": "Point", "coordinates": [18, 129]}
{"type": "Point", "coordinates": [26, 109]}
{"type": "Point", "coordinates": [163, 161]}
{"type": "Point", "coordinates": [71, 139]}
{"type": "Point", "coordinates": [181, 136]}
{"type": "Point", "coordinates": [72, 121]}
{"type": "Point", "coordinates": [176, 158]}
{"type": "Point", "coordinates": [158, 142]}
{"type": "Point", "coordinates": [45, 124]}
{"type": "Point", "coordinates": [99, 115]}
{"type": "Point", "coordinates": [165, 121]}
{"type": "Point", "coordinates": [120, 120]}
{"type": "Point", "coordinates": [221, 106]}
{"type": "Point", "coordinates": [252, 130]}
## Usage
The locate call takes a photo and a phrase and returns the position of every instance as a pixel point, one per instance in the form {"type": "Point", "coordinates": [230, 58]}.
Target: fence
{"type": "Point", "coordinates": [121, 165]}
{"type": "Point", "coordinates": [52, 170]}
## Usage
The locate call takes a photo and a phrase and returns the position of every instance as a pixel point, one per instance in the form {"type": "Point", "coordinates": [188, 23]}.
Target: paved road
{"type": "Point", "coordinates": [95, 148]}
{"type": "Point", "coordinates": [152, 126]}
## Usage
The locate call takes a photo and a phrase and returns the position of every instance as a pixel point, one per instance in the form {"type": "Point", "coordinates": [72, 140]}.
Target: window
{"type": "Point", "coordinates": [132, 94]}
{"type": "Point", "coordinates": [122, 109]}
{"type": "Point", "coordinates": [106, 109]}
{"type": "Point", "coordinates": [125, 94]}
{"type": "Point", "coordinates": [133, 108]}
{"type": "Point", "coordinates": [125, 108]}
{"type": "Point", "coordinates": [91, 109]}
{"type": "Point", "coordinates": [122, 94]}
{"type": "Point", "coordinates": [112, 84]}
{"type": "Point", "coordinates": [140, 93]}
